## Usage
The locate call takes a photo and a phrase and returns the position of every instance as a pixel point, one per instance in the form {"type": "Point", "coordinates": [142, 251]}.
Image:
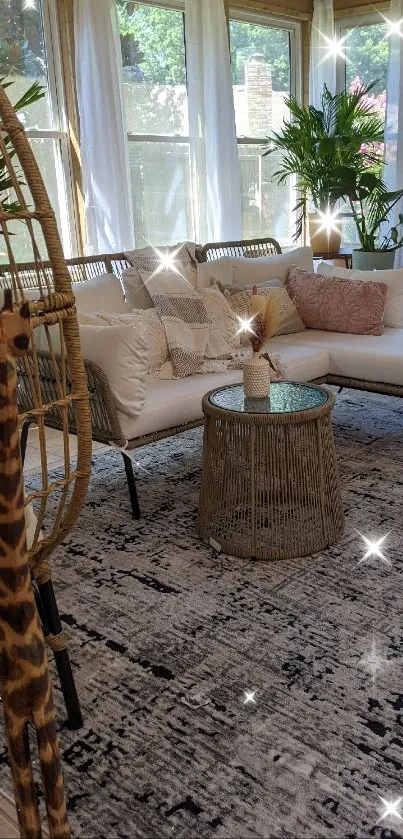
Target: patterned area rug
{"type": "Point", "coordinates": [166, 637]}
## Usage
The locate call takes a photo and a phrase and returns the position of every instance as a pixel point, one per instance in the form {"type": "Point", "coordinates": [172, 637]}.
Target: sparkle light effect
{"type": "Point", "coordinates": [245, 325]}
{"type": "Point", "coordinates": [334, 47]}
{"type": "Point", "coordinates": [394, 27]}
{"type": "Point", "coordinates": [29, 4]}
{"type": "Point", "coordinates": [374, 549]}
{"type": "Point", "coordinates": [330, 221]}
{"type": "Point", "coordinates": [167, 262]}
{"type": "Point", "coordinates": [373, 662]}
{"type": "Point", "coordinates": [249, 697]}
{"type": "Point", "coordinates": [390, 808]}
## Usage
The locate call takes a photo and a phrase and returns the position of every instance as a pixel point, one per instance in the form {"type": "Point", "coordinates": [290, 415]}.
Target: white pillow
{"type": "Point", "coordinates": [102, 293]}
{"type": "Point", "coordinates": [150, 322]}
{"type": "Point", "coordinates": [255, 270]}
{"type": "Point", "coordinates": [121, 352]}
{"type": "Point", "coordinates": [216, 270]}
{"type": "Point", "coordinates": [392, 278]}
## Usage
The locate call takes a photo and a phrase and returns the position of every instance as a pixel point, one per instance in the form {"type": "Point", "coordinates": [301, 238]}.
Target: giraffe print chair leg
{"type": "Point", "coordinates": [24, 674]}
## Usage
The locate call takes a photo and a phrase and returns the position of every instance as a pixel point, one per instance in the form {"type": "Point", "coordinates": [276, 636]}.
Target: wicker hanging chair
{"type": "Point", "coordinates": [56, 501]}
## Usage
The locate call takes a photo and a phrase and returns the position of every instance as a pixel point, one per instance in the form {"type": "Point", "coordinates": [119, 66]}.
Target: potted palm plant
{"type": "Point", "coordinates": [371, 205]}
{"type": "Point", "coordinates": [315, 145]}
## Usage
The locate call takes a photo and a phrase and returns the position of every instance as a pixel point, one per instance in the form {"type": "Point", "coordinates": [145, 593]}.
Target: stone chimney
{"type": "Point", "coordinates": [258, 95]}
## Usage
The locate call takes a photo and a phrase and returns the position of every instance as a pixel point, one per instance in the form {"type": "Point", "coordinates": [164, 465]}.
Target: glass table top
{"type": "Point", "coordinates": [285, 397]}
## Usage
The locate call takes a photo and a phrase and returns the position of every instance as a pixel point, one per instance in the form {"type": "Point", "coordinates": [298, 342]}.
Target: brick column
{"type": "Point", "coordinates": [258, 95]}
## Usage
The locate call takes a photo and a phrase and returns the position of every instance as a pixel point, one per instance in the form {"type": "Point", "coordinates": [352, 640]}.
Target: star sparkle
{"type": "Point", "coordinates": [395, 27]}
{"type": "Point", "coordinates": [330, 221]}
{"type": "Point", "coordinates": [334, 48]}
{"type": "Point", "coordinates": [245, 325]}
{"type": "Point", "coordinates": [373, 661]}
{"type": "Point", "coordinates": [391, 808]}
{"type": "Point", "coordinates": [249, 697]}
{"type": "Point", "coordinates": [29, 4]}
{"type": "Point", "coordinates": [373, 549]}
{"type": "Point", "coordinates": [167, 262]}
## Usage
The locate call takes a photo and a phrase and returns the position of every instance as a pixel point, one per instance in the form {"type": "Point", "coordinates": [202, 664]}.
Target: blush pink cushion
{"type": "Point", "coordinates": [336, 304]}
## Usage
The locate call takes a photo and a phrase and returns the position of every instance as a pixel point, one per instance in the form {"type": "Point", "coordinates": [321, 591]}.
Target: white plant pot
{"type": "Point", "coordinates": [256, 377]}
{"type": "Point", "coordinates": [373, 260]}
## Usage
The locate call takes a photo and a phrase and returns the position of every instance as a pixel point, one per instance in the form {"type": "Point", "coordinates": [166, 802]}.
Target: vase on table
{"type": "Point", "coordinates": [256, 377]}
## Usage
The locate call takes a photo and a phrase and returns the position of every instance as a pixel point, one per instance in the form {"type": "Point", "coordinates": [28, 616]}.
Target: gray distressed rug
{"type": "Point", "coordinates": [227, 698]}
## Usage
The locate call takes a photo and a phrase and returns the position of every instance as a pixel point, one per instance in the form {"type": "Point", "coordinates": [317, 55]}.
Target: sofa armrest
{"type": "Point", "coordinates": [104, 418]}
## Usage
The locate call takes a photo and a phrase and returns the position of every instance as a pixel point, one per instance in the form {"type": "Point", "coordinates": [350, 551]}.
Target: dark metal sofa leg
{"type": "Point", "coordinates": [131, 482]}
{"type": "Point", "coordinates": [50, 618]}
{"type": "Point", "coordinates": [24, 437]}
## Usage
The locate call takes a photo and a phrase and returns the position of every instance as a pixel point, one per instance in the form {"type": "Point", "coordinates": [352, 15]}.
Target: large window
{"type": "Point", "coordinates": [264, 60]}
{"type": "Point", "coordinates": [29, 52]}
{"type": "Point", "coordinates": [156, 110]}
{"type": "Point", "coordinates": [366, 58]}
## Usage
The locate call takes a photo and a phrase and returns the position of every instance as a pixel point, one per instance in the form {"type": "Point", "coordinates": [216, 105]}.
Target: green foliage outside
{"type": "Point", "coordinates": [159, 34]}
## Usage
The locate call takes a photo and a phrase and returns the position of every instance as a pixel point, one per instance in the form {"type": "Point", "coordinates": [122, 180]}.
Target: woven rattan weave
{"type": "Point", "coordinates": [270, 484]}
{"type": "Point", "coordinates": [62, 394]}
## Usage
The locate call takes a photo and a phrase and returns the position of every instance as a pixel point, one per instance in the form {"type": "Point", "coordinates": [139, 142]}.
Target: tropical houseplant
{"type": "Point", "coordinates": [316, 144]}
{"type": "Point", "coordinates": [371, 205]}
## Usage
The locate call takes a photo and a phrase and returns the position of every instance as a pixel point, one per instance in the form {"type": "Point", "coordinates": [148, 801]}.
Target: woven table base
{"type": "Point", "coordinates": [270, 484]}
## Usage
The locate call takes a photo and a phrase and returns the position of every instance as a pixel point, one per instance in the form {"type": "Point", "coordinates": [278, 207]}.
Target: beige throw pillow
{"type": "Point", "coordinates": [150, 323]}
{"type": "Point", "coordinates": [121, 352]}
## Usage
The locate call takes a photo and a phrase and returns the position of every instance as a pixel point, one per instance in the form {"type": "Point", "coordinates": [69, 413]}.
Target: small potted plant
{"type": "Point", "coordinates": [371, 205]}
{"type": "Point", "coordinates": [314, 144]}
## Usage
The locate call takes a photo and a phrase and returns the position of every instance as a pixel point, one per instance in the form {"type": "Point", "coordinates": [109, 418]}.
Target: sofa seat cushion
{"type": "Point", "coordinates": [178, 401]}
{"type": "Point", "coordinates": [373, 358]}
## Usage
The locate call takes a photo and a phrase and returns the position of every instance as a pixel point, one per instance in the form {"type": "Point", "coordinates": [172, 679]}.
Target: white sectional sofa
{"type": "Point", "coordinates": [373, 363]}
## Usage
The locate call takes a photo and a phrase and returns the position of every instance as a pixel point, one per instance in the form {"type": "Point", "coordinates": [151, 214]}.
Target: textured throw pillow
{"type": "Point", "coordinates": [102, 293]}
{"type": "Point", "coordinates": [134, 279]}
{"type": "Point", "coordinates": [286, 319]}
{"type": "Point", "coordinates": [121, 352]}
{"type": "Point", "coordinates": [222, 316]}
{"type": "Point", "coordinates": [393, 279]}
{"type": "Point", "coordinates": [172, 287]}
{"type": "Point", "coordinates": [150, 322]}
{"type": "Point", "coordinates": [337, 305]}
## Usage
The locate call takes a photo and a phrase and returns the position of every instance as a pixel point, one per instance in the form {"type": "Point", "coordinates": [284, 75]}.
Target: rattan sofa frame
{"type": "Point", "coordinates": [105, 423]}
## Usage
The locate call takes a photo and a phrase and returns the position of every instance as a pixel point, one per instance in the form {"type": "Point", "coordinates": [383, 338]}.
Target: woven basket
{"type": "Point", "coordinates": [256, 376]}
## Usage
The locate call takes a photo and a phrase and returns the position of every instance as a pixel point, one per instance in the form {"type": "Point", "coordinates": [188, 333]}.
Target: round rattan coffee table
{"type": "Point", "coordinates": [270, 484]}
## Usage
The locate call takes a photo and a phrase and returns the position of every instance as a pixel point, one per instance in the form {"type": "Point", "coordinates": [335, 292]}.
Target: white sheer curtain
{"type": "Point", "coordinates": [322, 60]}
{"type": "Point", "coordinates": [215, 165]}
{"type": "Point", "coordinates": [106, 175]}
{"type": "Point", "coordinates": [393, 171]}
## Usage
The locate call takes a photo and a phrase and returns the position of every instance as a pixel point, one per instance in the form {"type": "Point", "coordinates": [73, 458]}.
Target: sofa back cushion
{"type": "Point", "coordinates": [103, 293]}
{"type": "Point", "coordinates": [230, 270]}
{"type": "Point", "coordinates": [393, 279]}
{"type": "Point", "coordinates": [337, 305]}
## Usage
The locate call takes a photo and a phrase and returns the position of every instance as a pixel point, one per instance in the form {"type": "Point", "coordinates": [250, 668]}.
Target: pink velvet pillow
{"type": "Point", "coordinates": [337, 304]}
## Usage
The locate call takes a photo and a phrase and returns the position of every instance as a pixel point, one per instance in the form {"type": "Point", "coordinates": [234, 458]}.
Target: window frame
{"type": "Point", "coordinates": [342, 25]}
{"type": "Point", "coordinates": [294, 27]}
{"type": "Point", "coordinates": [69, 222]}
{"type": "Point", "coordinates": [171, 139]}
